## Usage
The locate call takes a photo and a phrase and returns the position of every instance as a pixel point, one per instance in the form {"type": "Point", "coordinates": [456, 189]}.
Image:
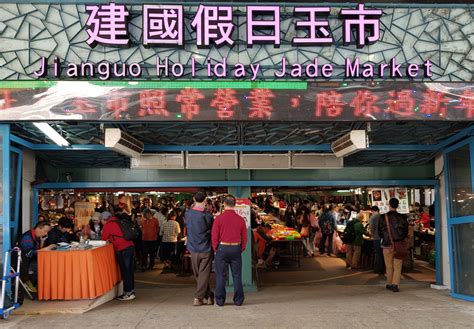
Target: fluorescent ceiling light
{"type": "Point", "coordinates": [51, 133]}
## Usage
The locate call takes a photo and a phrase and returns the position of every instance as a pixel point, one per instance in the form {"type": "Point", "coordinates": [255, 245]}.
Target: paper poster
{"type": "Point", "coordinates": [242, 207]}
{"type": "Point", "coordinates": [402, 196]}
{"type": "Point", "coordinates": [380, 199]}
{"type": "Point", "coordinates": [83, 212]}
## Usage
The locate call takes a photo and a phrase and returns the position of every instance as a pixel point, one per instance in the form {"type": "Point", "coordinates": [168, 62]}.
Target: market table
{"type": "Point", "coordinates": [76, 273]}
{"type": "Point", "coordinates": [289, 249]}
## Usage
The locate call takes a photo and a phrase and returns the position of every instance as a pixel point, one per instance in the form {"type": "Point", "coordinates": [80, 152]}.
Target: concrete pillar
{"type": "Point", "coordinates": [244, 192]}
{"type": "Point", "coordinates": [29, 172]}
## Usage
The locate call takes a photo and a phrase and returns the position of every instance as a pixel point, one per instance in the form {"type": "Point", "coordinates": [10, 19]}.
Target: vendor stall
{"type": "Point", "coordinates": [76, 273]}
{"type": "Point", "coordinates": [288, 243]}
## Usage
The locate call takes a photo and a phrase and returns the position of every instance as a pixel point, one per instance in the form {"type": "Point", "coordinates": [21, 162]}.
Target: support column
{"type": "Point", "coordinates": [27, 200]}
{"type": "Point", "coordinates": [442, 232]}
{"type": "Point", "coordinates": [244, 192]}
{"type": "Point", "coordinates": [5, 184]}
{"type": "Point", "coordinates": [439, 252]}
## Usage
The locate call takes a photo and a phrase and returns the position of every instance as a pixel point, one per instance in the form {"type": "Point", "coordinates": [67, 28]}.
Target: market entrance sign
{"type": "Point", "coordinates": [239, 42]}
{"type": "Point", "coordinates": [163, 25]}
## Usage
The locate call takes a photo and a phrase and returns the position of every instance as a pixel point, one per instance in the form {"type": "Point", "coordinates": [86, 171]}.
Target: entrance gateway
{"type": "Point", "coordinates": [200, 99]}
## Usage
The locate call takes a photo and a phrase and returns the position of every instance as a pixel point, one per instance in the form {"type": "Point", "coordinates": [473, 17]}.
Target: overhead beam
{"type": "Point", "coordinates": [154, 185]}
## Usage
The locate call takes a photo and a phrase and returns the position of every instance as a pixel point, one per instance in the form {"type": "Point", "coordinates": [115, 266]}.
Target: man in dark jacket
{"type": "Point", "coordinates": [398, 226]}
{"type": "Point", "coordinates": [61, 233]}
{"type": "Point", "coordinates": [199, 226]}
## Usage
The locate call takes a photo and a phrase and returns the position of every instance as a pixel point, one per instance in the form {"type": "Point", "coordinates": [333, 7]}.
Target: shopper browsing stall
{"type": "Point", "coordinates": [150, 230]}
{"type": "Point", "coordinates": [170, 232]}
{"type": "Point", "coordinates": [93, 230]}
{"type": "Point", "coordinates": [60, 233]}
{"type": "Point", "coordinates": [354, 248]}
{"type": "Point", "coordinates": [125, 252]}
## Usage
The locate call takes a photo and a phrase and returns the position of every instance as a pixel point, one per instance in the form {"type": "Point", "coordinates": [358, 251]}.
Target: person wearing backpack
{"type": "Point", "coordinates": [353, 234]}
{"type": "Point", "coordinates": [121, 235]}
{"type": "Point", "coordinates": [327, 224]}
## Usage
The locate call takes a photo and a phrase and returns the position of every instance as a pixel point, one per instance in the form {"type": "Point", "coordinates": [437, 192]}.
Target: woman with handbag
{"type": "Point", "coordinates": [393, 228]}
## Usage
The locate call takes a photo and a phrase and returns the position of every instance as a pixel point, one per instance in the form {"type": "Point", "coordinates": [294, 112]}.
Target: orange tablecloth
{"type": "Point", "coordinates": [76, 274]}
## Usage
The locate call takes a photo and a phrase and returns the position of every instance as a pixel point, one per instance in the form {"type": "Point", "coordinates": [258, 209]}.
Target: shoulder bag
{"type": "Point", "coordinates": [400, 248]}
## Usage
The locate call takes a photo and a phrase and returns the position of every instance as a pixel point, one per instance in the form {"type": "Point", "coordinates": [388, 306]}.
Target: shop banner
{"type": "Point", "coordinates": [235, 101]}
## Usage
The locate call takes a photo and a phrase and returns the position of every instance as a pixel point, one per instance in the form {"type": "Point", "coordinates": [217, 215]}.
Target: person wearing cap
{"type": "Point", "coordinates": [150, 229]}
{"type": "Point", "coordinates": [229, 240]}
{"type": "Point", "coordinates": [93, 230]}
{"type": "Point", "coordinates": [198, 225]}
{"type": "Point", "coordinates": [124, 251]}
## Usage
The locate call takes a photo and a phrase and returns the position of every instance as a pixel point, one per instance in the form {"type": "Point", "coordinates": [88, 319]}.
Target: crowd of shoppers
{"type": "Point", "coordinates": [210, 230]}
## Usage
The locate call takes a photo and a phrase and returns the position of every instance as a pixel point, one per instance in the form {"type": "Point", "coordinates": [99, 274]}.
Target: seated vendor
{"type": "Point", "coordinates": [60, 233]}
{"type": "Point", "coordinates": [423, 218]}
{"type": "Point", "coordinates": [265, 252]}
{"type": "Point", "coordinates": [30, 243]}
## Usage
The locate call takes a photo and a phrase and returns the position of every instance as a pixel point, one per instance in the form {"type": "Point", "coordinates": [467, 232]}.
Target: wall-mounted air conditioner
{"type": "Point", "coordinates": [158, 161]}
{"type": "Point", "coordinates": [123, 143]}
{"type": "Point", "coordinates": [350, 143]}
{"type": "Point", "coordinates": [212, 160]}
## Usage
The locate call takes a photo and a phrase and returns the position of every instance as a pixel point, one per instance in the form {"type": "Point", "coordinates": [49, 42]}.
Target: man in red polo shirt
{"type": "Point", "coordinates": [125, 252]}
{"type": "Point", "coordinates": [229, 239]}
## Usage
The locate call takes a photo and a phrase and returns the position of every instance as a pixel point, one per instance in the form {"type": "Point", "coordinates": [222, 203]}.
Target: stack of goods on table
{"type": "Point", "coordinates": [281, 232]}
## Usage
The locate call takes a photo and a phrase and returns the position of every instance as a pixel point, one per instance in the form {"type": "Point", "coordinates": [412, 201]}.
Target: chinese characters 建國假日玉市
{"type": "Point", "coordinates": [163, 25]}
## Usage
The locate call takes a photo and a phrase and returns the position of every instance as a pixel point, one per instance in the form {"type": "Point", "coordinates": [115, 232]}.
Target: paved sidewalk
{"type": "Point", "coordinates": [313, 306]}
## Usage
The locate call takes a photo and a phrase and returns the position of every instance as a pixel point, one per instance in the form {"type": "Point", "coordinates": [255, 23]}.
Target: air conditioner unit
{"type": "Point", "coordinates": [316, 161]}
{"type": "Point", "coordinates": [123, 143]}
{"type": "Point", "coordinates": [212, 161]}
{"type": "Point", "coordinates": [350, 143]}
{"type": "Point", "coordinates": [158, 161]}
